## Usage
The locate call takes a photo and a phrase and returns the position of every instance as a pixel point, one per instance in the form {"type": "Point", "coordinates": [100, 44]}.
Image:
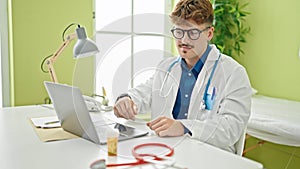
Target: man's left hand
{"type": "Point", "coordinates": [164, 126]}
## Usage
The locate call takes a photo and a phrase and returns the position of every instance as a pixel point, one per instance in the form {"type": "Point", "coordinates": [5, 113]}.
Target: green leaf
{"type": "Point", "coordinates": [230, 29]}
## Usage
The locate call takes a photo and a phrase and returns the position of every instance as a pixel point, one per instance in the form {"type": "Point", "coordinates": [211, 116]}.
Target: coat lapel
{"type": "Point", "coordinates": [199, 88]}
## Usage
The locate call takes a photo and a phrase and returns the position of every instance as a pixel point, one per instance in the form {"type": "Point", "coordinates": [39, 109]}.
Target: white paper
{"type": "Point", "coordinates": [46, 122]}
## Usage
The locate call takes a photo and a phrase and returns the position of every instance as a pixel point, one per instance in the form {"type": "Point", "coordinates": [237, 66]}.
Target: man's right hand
{"type": "Point", "coordinates": [125, 108]}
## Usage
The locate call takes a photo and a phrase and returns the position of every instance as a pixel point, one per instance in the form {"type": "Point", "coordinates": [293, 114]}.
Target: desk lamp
{"type": "Point", "coordinates": [84, 47]}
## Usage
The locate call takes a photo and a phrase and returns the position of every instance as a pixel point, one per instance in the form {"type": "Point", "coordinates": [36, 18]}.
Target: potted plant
{"type": "Point", "coordinates": [230, 30]}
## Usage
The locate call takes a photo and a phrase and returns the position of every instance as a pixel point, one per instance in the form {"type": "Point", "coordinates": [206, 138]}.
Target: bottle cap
{"type": "Point", "coordinates": [112, 133]}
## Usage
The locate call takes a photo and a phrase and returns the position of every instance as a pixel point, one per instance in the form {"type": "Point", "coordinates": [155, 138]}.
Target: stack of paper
{"type": "Point", "coordinates": [46, 122]}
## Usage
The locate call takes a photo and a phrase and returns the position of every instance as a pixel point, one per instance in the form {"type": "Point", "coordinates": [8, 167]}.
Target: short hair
{"type": "Point", "coordinates": [200, 11]}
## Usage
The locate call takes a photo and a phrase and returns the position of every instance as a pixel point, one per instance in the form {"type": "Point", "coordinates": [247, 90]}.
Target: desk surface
{"type": "Point", "coordinates": [20, 147]}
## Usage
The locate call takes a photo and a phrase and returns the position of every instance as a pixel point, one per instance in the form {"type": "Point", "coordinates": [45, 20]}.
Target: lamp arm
{"type": "Point", "coordinates": [50, 61]}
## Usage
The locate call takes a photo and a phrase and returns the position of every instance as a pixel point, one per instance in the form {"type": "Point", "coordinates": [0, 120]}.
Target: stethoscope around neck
{"type": "Point", "coordinates": [206, 102]}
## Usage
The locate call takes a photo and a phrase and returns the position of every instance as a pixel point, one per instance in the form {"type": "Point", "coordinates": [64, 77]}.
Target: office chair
{"type": "Point", "coordinates": [239, 145]}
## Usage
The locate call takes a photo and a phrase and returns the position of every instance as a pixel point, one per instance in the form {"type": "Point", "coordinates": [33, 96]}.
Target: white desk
{"type": "Point", "coordinates": [20, 148]}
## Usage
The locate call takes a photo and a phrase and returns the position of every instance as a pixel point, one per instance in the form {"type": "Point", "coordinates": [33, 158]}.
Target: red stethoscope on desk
{"type": "Point", "coordinates": [143, 158]}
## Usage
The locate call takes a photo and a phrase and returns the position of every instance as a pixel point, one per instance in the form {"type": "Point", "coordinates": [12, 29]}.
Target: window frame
{"type": "Point", "coordinates": [168, 43]}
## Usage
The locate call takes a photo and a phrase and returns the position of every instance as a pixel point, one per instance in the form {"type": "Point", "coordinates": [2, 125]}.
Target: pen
{"type": "Point", "coordinates": [213, 93]}
{"type": "Point", "coordinates": [51, 122]}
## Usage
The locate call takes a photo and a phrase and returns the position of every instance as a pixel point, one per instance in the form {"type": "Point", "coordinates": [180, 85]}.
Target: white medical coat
{"type": "Point", "coordinates": [225, 123]}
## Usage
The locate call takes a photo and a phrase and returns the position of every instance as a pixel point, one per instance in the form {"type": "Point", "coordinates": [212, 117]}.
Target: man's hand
{"type": "Point", "coordinates": [164, 126]}
{"type": "Point", "coordinates": [125, 108]}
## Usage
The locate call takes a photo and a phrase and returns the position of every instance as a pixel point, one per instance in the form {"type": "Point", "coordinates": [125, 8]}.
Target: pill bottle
{"type": "Point", "coordinates": [112, 142]}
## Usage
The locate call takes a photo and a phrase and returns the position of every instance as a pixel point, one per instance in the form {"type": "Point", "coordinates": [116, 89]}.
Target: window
{"type": "Point", "coordinates": [4, 59]}
{"type": "Point", "coordinates": [133, 36]}
{"type": "Point", "coordinates": [0, 73]}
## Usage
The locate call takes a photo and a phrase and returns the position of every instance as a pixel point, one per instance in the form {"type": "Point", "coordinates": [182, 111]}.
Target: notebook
{"type": "Point", "coordinates": [75, 118]}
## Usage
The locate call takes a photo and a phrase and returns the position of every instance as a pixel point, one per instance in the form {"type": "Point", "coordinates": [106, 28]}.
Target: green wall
{"type": "Point", "coordinates": [271, 51]}
{"type": "Point", "coordinates": [271, 55]}
{"type": "Point", "coordinates": [271, 59]}
{"type": "Point", "coordinates": [35, 32]}
{"type": "Point", "coordinates": [273, 65]}
{"type": "Point", "coordinates": [274, 156]}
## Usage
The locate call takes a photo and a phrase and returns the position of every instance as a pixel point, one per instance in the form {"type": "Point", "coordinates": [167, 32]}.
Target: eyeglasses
{"type": "Point", "coordinates": [193, 34]}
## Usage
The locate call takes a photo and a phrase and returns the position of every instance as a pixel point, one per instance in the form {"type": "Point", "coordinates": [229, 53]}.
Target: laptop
{"type": "Point", "coordinates": [75, 118]}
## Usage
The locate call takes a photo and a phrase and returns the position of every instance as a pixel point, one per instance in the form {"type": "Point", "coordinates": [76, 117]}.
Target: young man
{"type": "Point", "coordinates": [202, 92]}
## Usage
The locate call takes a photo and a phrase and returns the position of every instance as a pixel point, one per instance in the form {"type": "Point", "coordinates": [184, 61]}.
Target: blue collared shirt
{"type": "Point", "coordinates": [187, 83]}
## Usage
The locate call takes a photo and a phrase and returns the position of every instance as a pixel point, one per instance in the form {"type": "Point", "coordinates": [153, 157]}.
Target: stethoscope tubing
{"type": "Point", "coordinates": [140, 157]}
{"type": "Point", "coordinates": [207, 85]}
